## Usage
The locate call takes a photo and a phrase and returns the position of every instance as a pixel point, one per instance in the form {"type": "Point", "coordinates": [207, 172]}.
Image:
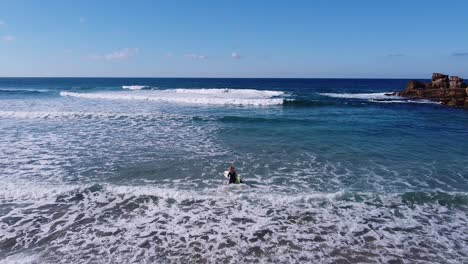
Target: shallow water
{"type": "Point", "coordinates": [130, 170]}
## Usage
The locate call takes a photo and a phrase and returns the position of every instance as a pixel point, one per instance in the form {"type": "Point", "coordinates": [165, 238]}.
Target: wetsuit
{"type": "Point", "coordinates": [232, 177]}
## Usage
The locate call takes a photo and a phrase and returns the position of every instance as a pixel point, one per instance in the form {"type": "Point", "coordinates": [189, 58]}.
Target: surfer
{"type": "Point", "coordinates": [232, 175]}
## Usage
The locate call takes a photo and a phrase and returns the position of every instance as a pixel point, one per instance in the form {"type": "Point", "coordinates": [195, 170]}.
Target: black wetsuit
{"type": "Point", "coordinates": [232, 177]}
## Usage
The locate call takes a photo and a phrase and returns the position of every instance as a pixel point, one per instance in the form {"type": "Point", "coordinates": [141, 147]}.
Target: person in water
{"type": "Point", "coordinates": [233, 177]}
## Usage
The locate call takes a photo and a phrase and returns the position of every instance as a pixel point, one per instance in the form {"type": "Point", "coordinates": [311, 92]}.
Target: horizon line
{"type": "Point", "coordinates": [186, 77]}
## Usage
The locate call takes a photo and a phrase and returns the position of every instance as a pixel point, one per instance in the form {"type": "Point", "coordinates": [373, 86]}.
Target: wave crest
{"type": "Point", "coordinates": [227, 91]}
{"type": "Point", "coordinates": [135, 87]}
{"type": "Point", "coordinates": [22, 91]}
{"type": "Point", "coordinates": [387, 98]}
{"type": "Point", "coordinates": [191, 96]}
{"type": "Point", "coordinates": [365, 96]}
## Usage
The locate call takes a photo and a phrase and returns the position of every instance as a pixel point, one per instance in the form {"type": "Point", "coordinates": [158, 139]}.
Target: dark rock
{"type": "Point", "coordinates": [439, 76]}
{"type": "Point", "coordinates": [452, 103]}
{"type": "Point", "coordinates": [440, 81]}
{"type": "Point", "coordinates": [451, 92]}
{"type": "Point", "coordinates": [456, 82]}
{"type": "Point", "coordinates": [432, 93]}
{"type": "Point", "coordinates": [415, 85]}
{"type": "Point", "coordinates": [457, 93]}
{"type": "Point", "coordinates": [440, 84]}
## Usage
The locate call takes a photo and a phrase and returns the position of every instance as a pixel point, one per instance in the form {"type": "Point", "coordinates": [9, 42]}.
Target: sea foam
{"type": "Point", "coordinates": [76, 115]}
{"type": "Point", "coordinates": [111, 223]}
{"type": "Point", "coordinates": [365, 96]}
{"type": "Point", "coordinates": [384, 98]}
{"type": "Point", "coordinates": [135, 87]}
{"type": "Point", "coordinates": [191, 96]}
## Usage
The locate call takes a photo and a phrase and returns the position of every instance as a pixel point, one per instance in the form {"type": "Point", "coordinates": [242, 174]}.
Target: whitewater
{"type": "Point", "coordinates": [130, 171]}
{"type": "Point", "coordinates": [191, 96]}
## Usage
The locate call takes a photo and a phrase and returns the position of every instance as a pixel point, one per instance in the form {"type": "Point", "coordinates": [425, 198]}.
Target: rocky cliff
{"type": "Point", "coordinates": [447, 90]}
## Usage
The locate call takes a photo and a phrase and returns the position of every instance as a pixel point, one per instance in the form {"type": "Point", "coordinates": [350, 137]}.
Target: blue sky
{"type": "Point", "coordinates": [227, 38]}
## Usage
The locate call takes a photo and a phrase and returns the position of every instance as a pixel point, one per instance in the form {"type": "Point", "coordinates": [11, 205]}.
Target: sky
{"type": "Point", "coordinates": [233, 38]}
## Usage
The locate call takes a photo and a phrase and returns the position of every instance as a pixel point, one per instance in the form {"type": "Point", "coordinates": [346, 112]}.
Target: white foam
{"type": "Point", "coordinates": [73, 115]}
{"type": "Point", "coordinates": [23, 90]}
{"type": "Point", "coordinates": [366, 96]}
{"type": "Point", "coordinates": [390, 101]}
{"type": "Point", "coordinates": [135, 87]}
{"type": "Point", "coordinates": [21, 258]}
{"type": "Point", "coordinates": [153, 224]}
{"type": "Point", "coordinates": [231, 92]}
{"type": "Point", "coordinates": [422, 101]}
{"type": "Point", "coordinates": [23, 191]}
{"type": "Point", "coordinates": [191, 96]}
{"type": "Point", "coordinates": [378, 98]}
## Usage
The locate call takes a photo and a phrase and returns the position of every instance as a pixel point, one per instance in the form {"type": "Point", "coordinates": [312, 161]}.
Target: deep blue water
{"type": "Point", "coordinates": [130, 169]}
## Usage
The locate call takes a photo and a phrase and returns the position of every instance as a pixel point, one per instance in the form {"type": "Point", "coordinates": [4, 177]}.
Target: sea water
{"type": "Point", "coordinates": [96, 170]}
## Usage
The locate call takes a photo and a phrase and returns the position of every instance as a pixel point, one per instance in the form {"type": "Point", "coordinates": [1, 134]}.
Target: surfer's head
{"type": "Point", "coordinates": [232, 169]}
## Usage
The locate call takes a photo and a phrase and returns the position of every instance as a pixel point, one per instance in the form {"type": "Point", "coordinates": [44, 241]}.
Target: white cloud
{"type": "Point", "coordinates": [82, 20]}
{"type": "Point", "coordinates": [122, 54]}
{"type": "Point", "coordinates": [235, 56]}
{"type": "Point", "coordinates": [197, 57]}
{"type": "Point", "coordinates": [8, 38]}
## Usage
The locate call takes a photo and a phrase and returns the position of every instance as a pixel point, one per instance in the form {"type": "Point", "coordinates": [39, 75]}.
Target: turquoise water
{"type": "Point", "coordinates": [130, 170]}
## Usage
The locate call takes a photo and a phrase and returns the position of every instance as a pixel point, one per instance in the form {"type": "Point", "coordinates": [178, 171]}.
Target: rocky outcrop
{"type": "Point", "coordinates": [440, 81]}
{"type": "Point", "coordinates": [456, 82]}
{"type": "Point", "coordinates": [448, 91]}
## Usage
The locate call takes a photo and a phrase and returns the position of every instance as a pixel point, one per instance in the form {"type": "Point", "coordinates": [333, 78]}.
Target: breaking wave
{"type": "Point", "coordinates": [22, 91]}
{"type": "Point", "coordinates": [135, 87]}
{"type": "Point", "coordinates": [192, 96]}
{"type": "Point", "coordinates": [232, 92]}
{"type": "Point", "coordinates": [386, 98]}
{"type": "Point", "coordinates": [365, 96]}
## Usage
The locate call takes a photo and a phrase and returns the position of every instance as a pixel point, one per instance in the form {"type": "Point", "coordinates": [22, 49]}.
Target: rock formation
{"type": "Point", "coordinates": [448, 91]}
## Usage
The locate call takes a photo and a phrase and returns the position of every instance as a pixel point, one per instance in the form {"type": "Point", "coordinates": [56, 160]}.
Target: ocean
{"type": "Point", "coordinates": [130, 170]}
